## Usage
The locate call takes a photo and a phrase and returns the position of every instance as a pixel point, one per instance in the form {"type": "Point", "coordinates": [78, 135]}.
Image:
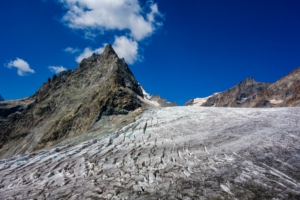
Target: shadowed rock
{"type": "Point", "coordinates": [13, 106]}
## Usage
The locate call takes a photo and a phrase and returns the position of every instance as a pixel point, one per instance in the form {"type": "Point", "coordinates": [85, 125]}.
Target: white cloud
{"type": "Point", "coordinates": [21, 65]}
{"type": "Point", "coordinates": [57, 69]}
{"type": "Point", "coordinates": [103, 15]}
{"type": "Point", "coordinates": [124, 47]}
{"type": "Point", "coordinates": [87, 52]}
{"type": "Point", "coordinates": [154, 12]}
{"type": "Point", "coordinates": [71, 50]}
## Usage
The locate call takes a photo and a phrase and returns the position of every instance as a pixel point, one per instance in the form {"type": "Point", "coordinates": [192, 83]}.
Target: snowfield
{"type": "Point", "coordinates": [170, 153]}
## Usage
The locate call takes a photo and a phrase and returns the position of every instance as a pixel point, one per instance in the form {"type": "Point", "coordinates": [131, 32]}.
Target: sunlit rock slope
{"type": "Point", "coordinates": [170, 153]}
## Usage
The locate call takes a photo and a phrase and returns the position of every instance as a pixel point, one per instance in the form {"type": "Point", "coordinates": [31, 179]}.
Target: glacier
{"type": "Point", "coordinates": [170, 153]}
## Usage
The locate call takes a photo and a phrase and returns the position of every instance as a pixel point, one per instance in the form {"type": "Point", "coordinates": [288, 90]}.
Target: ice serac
{"type": "Point", "coordinates": [283, 93]}
{"type": "Point", "coordinates": [100, 94]}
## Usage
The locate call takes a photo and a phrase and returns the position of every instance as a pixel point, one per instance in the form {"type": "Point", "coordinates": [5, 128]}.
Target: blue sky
{"type": "Point", "coordinates": [178, 49]}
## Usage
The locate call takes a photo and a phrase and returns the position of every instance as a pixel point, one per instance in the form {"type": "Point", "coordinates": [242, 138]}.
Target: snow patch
{"type": "Point", "coordinates": [274, 101]}
{"type": "Point", "coordinates": [146, 95]}
{"type": "Point", "coordinates": [148, 98]}
{"type": "Point", "coordinates": [201, 101]}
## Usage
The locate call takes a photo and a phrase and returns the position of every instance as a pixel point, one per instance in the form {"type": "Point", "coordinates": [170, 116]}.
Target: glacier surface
{"type": "Point", "coordinates": [170, 153]}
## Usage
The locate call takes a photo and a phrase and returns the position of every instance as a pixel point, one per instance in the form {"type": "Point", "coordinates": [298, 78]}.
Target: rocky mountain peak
{"type": "Point", "coordinates": [296, 71]}
{"type": "Point", "coordinates": [249, 93]}
{"type": "Point", "coordinates": [108, 50]}
{"type": "Point", "coordinates": [247, 81]}
{"type": "Point", "coordinates": [1, 98]}
{"type": "Point", "coordinates": [98, 97]}
{"type": "Point", "coordinates": [244, 94]}
{"type": "Point", "coordinates": [108, 54]}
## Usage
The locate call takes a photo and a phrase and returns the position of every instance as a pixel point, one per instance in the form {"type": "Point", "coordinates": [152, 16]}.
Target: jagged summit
{"type": "Point", "coordinates": [108, 54]}
{"type": "Point", "coordinates": [108, 50]}
{"type": "Point", "coordinates": [247, 81]}
{"type": "Point", "coordinates": [95, 96]}
{"type": "Point", "coordinates": [1, 98]}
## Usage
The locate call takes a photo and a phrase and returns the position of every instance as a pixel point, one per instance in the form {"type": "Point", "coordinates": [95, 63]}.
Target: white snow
{"type": "Point", "coordinates": [276, 101]}
{"type": "Point", "coordinates": [201, 101]}
{"type": "Point", "coordinates": [148, 98]}
{"type": "Point", "coordinates": [146, 95]}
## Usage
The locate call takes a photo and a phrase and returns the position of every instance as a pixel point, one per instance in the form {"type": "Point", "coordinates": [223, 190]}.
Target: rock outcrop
{"type": "Point", "coordinates": [249, 93]}
{"type": "Point", "coordinates": [13, 106]}
{"type": "Point", "coordinates": [283, 93]}
{"type": "Point", "coordinates": [1, 98]}
{"type": "Point", "coordinates": [96, 95]}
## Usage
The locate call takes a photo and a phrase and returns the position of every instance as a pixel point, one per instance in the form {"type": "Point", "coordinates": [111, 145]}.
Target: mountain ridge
{"type": "Point", "coordinates": [95, 133]}
{"type": "Point", "coordinates": [285, 92]}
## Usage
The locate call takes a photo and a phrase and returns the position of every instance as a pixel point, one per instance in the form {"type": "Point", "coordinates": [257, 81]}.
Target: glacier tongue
{"type": "Point", "coordinates": [170, 153]}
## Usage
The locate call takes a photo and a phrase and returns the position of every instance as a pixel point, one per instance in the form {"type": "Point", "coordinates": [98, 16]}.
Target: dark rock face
{"type": "Point", "coordinates": [71, 104]}
{"type": "Point", "coordinates": [249, 93]}
{"type": "Point", "coordinates": [13, 106]}
{"type": "Point", "coordinates": [1, 98]}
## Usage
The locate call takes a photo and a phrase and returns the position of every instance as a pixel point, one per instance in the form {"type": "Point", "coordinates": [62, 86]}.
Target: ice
{"type": "Point", "coordinates": [178, 152]}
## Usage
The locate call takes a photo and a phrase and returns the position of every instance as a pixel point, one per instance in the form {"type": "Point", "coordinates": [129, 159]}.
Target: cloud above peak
{"type": "Point", "coordinates": [57, 69]}
{"type": "Point", "coordinates": [106, 15]}
{"type": "Point", "coordinates": [71, 50]}
{"type": "Point", "coordinates": [87, 52]}
{"type": "Point", "coordinates": [125, 48]}
{"type": "Point", "coordinates": [22, 66]}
